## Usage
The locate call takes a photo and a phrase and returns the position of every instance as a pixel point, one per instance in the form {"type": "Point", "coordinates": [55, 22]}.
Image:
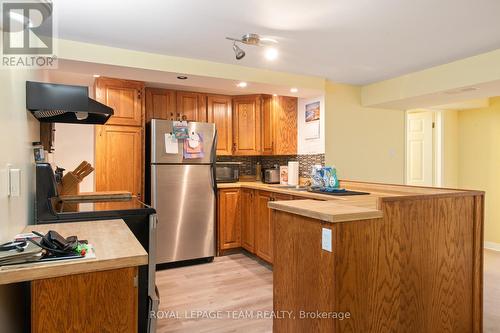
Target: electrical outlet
{"type": "Point", "coordinates": [326, 239]}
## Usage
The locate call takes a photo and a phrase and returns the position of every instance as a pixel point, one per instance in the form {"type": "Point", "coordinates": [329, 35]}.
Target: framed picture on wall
{"type": "Point", "coordinates": [312, 112]}
{"type": "Point", "coordinates": [312, 117]}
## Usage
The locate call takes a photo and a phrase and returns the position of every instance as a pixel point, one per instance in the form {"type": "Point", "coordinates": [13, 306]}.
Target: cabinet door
{"type": "Point", "coordinates": [219, 112]}
{"type": "Point", "coordinates": [124, 96]}
{"type": "Point", "coordinates": [119, 159]}
{"type": "Point", "coordinates": [247, 125]}
{"type": "Point", "coordinates": [267, 125]}
{"type": "Point", "coordinates": [229, 219]}
{"type": "Point", "coordinates": [263, 236]}
{"type": "Point", "coordinates": [191, 106]}
{"type": "Point", "coordinates": [160, 104]}
{"type": "Point", "coordinates": [104, 301]}
{"type": "Point", "coordinates": [247, 220]}
{"type": "Point", "coordinates": [285, 126]}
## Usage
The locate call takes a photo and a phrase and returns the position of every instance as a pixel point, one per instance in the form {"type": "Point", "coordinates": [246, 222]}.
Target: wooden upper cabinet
{"type": "Point", "coordinates": [247, 125]}
{"type": "Point", "coordinates": [229, 218]}
{"type": "Point", "coordinates": [124, 96]}
{"type": "Point", "coordinates": [267, 125]}
{"type": "Point", "coordinates": [119, 161]}
{"type": "Point", "coordinates": [160, 104]}
{"type": "Point", "coordinates": [279, 125]}
{"type": "Point", "coordinates": [220, 113]}
{"type": "Point", "coordinates": [247, 220]}
{"type": "Point", "coordinates": [285, 125]}
{"type": "Point", "coordinates": [191, 106]}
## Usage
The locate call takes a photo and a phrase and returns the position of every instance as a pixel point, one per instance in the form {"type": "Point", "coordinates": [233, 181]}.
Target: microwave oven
{"type": "Point", "coordinates": [227, 172]}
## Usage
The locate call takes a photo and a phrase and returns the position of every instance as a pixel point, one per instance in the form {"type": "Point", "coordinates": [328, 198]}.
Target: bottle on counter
{"type": "Point", "coordinates": [38, 152]}
{"type": "Point", "coordinates": [258, 172]}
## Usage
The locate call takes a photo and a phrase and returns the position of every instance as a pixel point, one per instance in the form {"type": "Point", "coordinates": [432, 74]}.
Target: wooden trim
{"type": "Point", "coordinates": [478, 261]}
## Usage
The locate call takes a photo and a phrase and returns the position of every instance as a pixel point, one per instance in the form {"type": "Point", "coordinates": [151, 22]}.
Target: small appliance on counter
{"type": "Point", "coordinates": [271, 176]}
{"type": "Point", "coordinates": [227, 172]}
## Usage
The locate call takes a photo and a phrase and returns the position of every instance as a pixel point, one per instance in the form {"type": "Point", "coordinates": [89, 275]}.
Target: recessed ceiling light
{"type": "Point", "coordinates": [271, 54]}
{"type": "Point", "coordinates": [275, 95]}
{"type": "Point", "coordinates": [182, 77]}
{"type": "Point", "coordinates": [96, 75]}
{"type": "Point", "coordinates": [242, 84]}
{"type": "Point", "coordinates": [294, 90]}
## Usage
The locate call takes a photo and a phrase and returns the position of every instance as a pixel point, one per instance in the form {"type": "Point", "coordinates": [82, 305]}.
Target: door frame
{"type": "Point", "coordinates": [437, 146]}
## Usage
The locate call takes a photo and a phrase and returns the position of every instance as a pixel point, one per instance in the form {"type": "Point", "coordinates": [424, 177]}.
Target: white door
{"type": "Point", "coordinates": [419, 148]}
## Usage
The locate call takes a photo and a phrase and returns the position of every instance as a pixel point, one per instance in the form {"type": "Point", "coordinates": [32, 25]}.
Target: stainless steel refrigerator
{"type": "Point", "coordinates": [183, 192]}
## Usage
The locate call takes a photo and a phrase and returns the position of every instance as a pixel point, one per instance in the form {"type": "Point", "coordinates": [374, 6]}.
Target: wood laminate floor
{"type": "Point", "coordinates": [491, 291]}
{"type": "Point", "coordinates": [231, 283]}
{"type": "Point", "coordinates": [241, 283]}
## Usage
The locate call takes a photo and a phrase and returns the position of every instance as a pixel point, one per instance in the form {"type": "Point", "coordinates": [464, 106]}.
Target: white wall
{"type": "Point", "coordinates": [74, 143]}
{"type": "Point", "coordinates": [18, 129]}
{"type": "Point", "coordinates": [310, 146]}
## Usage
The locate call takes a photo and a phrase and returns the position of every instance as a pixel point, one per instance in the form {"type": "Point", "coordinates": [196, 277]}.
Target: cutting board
{"type": "Point", "coordinates": [94, 196]}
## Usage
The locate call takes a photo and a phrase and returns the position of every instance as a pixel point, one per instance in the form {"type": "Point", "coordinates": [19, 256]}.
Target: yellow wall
{"type": "Point", "coordinates": [479, 160]}
{"type": "Point", "coordinates": [450, 149]}
{"type": "Point", "coordinates": [363, 143]}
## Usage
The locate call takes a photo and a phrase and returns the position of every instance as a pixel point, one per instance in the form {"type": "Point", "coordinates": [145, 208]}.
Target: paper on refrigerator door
{"type": "Point", "coordinates": [171, 144]}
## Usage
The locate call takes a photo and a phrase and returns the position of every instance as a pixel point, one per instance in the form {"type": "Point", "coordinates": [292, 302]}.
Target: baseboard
{"type": "Point", "coordinates": [492, 246]}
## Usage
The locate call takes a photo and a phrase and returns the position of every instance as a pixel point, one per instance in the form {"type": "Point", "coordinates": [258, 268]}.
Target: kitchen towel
{"type": "Point", "coordinates": [293, 173]}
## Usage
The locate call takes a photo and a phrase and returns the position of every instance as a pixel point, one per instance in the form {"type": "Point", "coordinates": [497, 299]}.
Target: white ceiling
{"type": "Point", "coordinates": [349, 41]}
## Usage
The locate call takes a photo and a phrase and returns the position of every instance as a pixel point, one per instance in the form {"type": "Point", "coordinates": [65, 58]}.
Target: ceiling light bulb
{"type": "Point", "coordinates": [275, 95]}
{"type": "Point", "coordinates": [271, 54]}
{"type": "Point", "coordinates": [238, 52]}
{"type": "Point", "coordinates": [294, 90]}
{"type": "Point", "coordinates": [242, 85]}
{"type": "Point", "coordinates": [96, 75]}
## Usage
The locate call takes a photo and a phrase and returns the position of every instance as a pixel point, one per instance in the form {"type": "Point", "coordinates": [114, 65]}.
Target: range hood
{"type": "Point", "coordinates": [60, 103]}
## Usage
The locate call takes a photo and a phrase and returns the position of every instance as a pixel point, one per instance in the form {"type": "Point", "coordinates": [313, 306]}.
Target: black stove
{"type": "Point", "coordinates": [139, 217]}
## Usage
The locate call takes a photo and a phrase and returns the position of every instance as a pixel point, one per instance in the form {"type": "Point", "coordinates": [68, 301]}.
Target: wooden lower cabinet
{"type": "Point", "coordinates": [229, 219]}
{"type": "Point", "coordinates": [104, 301]}
{"type": "Point", "coordinates": [248, 220]}
{"type": "Point", "coordinates": [263, 229]}
{"type": "Point", "coordinates": [244, 220]}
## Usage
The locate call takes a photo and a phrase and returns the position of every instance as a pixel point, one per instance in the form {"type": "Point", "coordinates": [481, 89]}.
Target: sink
{"type": "Point", "coordinates": [288, 187]}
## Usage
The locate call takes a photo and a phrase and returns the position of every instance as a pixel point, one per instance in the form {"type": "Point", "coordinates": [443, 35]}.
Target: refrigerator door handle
{"type": "Point", "coordinates": [213, 159]}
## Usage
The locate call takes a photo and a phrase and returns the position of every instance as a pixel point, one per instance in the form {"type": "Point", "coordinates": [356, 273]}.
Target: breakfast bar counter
{"type": "Point", "coordinates": [400, 259]}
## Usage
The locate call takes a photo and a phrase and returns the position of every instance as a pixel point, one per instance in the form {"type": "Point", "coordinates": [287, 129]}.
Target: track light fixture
{"type": "Point", "coordinates": [254, 40]}
{"type": "Point", "coordinates": [238, 52]}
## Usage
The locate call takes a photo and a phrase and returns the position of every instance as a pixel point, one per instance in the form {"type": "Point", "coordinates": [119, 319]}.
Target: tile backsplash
{"type": "Point", "coordinates": [247, 167]}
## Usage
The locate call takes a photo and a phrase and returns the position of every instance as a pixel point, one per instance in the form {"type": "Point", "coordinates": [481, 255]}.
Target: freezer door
{"type": "Point", "coordinates": [157, 142]}
{"type": "Point", "coordinates": [184, 199]}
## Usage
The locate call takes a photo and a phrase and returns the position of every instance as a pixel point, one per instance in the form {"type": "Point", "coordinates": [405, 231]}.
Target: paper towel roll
{"type": "Point", "coordinates": [293, 173]}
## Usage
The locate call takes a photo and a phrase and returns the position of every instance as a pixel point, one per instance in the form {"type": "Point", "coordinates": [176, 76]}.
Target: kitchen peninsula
{"type": "Point", "coordinates": [413, 263]}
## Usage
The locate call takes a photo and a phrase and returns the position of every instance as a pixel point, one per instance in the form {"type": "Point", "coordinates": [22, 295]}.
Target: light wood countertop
{"type": "Point", "coordinates": [328, 211]}
{"type": "Point", "coordinates": [114, 244]}
{"type": "Point", "coordinates": [345, 208]}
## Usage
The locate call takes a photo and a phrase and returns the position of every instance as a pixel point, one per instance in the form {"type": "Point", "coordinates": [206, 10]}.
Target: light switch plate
{"type": "Point", "coordinates": [15, 182]}
{"type": "Point", "coordinates": [326, 239]}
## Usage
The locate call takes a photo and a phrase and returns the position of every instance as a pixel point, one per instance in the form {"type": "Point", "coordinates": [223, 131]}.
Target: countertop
{"type": "Point", "coordinates": [334, 209]}
{"type": "Point", "coordinates": [114, 244]}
